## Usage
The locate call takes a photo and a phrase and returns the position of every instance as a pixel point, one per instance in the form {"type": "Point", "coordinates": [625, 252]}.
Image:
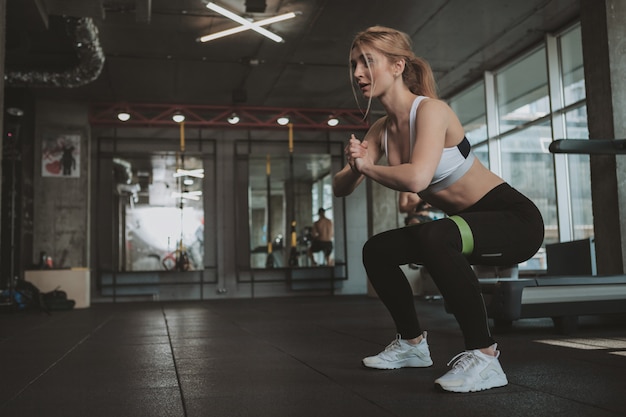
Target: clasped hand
{"type": "Point", "coordinates": [356, 153]}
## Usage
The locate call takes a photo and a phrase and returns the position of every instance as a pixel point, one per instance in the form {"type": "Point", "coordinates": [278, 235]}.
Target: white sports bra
{"type": "Point", "coordinates": [454, 163]}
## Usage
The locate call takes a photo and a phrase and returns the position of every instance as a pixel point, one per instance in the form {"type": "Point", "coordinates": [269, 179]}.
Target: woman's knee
{"type": "Point", "coordinates": [439, 236]}
{"type": "Point", "coordinates": [373, 248]}
{"type": "Point", "coordinates": [386, 247]}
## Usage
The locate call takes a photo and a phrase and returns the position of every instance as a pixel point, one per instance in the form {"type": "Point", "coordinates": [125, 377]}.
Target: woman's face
{"type": "Point", "coordinates": [371, 70]}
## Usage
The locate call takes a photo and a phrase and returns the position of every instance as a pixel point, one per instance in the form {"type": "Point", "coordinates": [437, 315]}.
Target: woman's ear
{"type": "Point", "coordinates": [399, 66]}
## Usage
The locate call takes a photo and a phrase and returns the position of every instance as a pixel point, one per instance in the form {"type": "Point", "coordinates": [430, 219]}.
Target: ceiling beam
{"type": "Point", "coordinates": [145, 115]}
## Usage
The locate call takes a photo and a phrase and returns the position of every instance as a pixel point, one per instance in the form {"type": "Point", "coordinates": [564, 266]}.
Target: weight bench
{"type": "Point", "coordinates": [570, 289]}
{"type": "Point", "coordinates": [562, 298]}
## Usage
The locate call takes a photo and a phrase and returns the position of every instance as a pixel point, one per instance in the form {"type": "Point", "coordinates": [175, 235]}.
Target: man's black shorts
{"type": "Point", "coordinates": [319, 245]}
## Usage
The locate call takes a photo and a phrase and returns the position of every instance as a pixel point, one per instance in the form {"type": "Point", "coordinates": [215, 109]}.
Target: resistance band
{"type": "Point", "coordinates": [467, 238]}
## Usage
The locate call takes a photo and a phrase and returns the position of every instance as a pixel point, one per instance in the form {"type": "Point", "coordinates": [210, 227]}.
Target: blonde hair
{"type": "Point", "coordinates": [396, 45]}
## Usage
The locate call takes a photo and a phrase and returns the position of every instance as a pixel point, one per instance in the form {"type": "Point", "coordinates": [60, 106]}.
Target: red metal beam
{"type": "Point", "coordinates": [105, 114]}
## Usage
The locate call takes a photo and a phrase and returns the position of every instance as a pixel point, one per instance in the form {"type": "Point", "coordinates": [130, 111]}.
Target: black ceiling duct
{"type": "Point", "coordinates": [90, 57]}
{"type": "Point", "coordinates": [255, 6]}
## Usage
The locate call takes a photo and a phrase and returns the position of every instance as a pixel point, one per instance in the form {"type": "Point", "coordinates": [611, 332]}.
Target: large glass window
{"type": "Point", "coordinates": [522, 91]}
{"type": "Point", "coordinates": [579, 172]}
{"type": "Point", "coordinates": [470, 107]}
{"type": "Point", "coordinates": [482, 153]}
{"type": "Point", "coordinates": [523, 131]}
{"type": "Point", "coordinates": [572, 66]}
{"type": "Point", "coordinates": [579, 176]}
{"type": "Point", "coordinates": [527, 165]}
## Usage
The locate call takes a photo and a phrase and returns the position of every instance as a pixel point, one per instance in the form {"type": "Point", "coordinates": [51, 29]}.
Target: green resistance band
{"type": "Point", "coordinates": [467, 238]}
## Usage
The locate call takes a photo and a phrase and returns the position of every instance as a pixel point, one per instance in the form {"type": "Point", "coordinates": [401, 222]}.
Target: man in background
{"type": "Point", "coordinates": [322, 238]}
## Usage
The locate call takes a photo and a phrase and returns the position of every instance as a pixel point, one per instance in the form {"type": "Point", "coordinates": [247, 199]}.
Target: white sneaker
{"type": "Point", "coordinates": [401, 354]}
{"type": "Point", "coordinates": [473, 371]}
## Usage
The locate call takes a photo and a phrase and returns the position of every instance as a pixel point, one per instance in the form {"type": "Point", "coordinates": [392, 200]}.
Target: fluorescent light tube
{"type": "Point", "coordinates": [246, 24]}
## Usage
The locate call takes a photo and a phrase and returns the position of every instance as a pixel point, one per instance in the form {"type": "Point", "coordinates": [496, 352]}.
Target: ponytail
{"type": "Point", "coordinates": [418, 76]}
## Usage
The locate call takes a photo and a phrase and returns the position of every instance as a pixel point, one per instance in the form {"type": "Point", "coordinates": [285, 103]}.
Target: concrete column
{"type": "Point", "coordinates": [603, 27]}
{"type": "Point", "coordinates": [3, 15]}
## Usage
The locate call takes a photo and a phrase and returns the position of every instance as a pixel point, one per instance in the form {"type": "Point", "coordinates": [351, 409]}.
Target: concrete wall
{"type": "Point", "coordinates": [62, 204]}
{"type": "Point", "coordinates": [603, 31]}
{"type": "Point", "coordinates": [3, 5]}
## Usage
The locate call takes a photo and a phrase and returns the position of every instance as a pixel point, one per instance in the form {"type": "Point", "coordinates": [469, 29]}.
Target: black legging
{"type": "Point", "coordinates": [507, 229]}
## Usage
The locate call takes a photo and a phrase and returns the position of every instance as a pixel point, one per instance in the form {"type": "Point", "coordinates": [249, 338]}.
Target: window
{"type": "Point", "coordinates": [522, 91]}
{"type": "Point", "coordinates": [523, 122]}
{"type": "Point", "coordinates": [528, 166]}
{"type": "Point", "coordinates": [572, 66]}
{"type": "Point", "coordinates": [470, 107]}
{"type": "Point", "coordinates": [579, 176]}
{"type": "Point", "coordinates": [579, 172]}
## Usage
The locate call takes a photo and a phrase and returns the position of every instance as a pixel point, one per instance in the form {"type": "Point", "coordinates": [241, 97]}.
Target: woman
{"type": "Point", "coordinates": [490, 223]}
{"type": "Point", "coordinates": [416, 209]}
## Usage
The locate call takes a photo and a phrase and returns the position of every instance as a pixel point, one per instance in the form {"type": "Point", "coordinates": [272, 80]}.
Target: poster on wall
{"type": "Point", "coordinates": [60, 155]}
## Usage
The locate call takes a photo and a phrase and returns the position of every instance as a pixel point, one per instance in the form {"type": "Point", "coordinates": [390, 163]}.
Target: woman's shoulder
{"type": "Point", "coordinates": [434, 109]}
{"type": "Point", "coordinates": [432, 103]}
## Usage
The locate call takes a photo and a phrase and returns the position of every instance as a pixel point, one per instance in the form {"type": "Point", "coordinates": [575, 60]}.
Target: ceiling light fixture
{"type": "Point", "coordinates": [15, 111]}
{"type": "Point", "coordinates": [178, 117]}
{"type": "Point", "coordinates": [196, 173]}
{"type": "Point", "coordinates": [283, 120]}
{"type": "Point", "coordinates": [123, 116]}
{"type": "Point", "coordinates": [233, 119]}
{"type": "Point", "coordinates": [245, 24]}
{"type": "Point", "coordinates": [242, 28]}
{"type": "Point", "coordinates": [188, 195]}
{"type": "Point", "coordinates": [332, 121]}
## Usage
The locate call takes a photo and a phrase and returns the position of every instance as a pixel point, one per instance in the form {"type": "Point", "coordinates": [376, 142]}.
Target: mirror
{"type": "Point", "coordinates": [285, 194]}
{"type": "Point", "coordinates": [161, 214]}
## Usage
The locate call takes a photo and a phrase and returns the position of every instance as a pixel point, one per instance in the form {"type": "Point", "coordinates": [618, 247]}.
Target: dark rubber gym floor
{"type": "Point", "coordinates": [289, 357]}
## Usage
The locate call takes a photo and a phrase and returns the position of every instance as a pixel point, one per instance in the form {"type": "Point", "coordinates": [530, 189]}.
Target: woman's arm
{"type": "Point", "coordinates": [346, 180]}
{"type": "Point", "coordinates": [408, 202]}
{"type": "Point", "coordinates": [414, 176]}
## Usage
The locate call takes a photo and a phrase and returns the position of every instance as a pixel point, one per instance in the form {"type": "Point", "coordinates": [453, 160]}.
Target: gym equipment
{"type": "Point", "coordinates": [571, 287]}
{"type": "Point", "coordinates": [589, 146]}
{"type": "Point", "coordinates": [562, 298]}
